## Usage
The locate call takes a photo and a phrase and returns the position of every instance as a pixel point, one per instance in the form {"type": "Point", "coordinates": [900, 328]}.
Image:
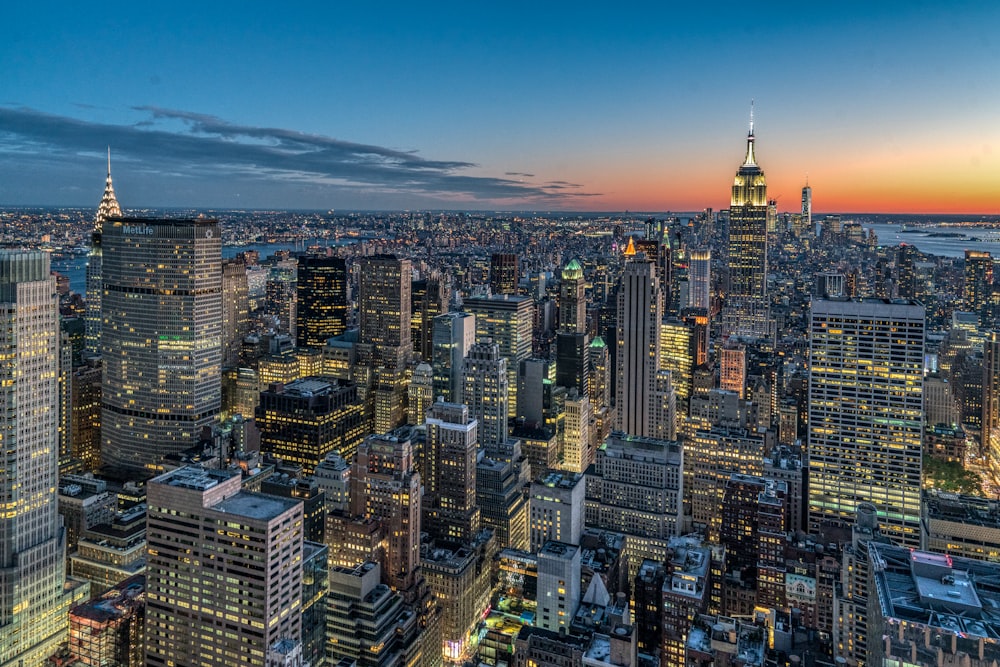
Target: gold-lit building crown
{"type": "Point", "coordinates": [749, 186]}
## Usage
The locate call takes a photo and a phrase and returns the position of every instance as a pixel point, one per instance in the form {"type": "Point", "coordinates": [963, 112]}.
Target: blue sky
{"type": "Point", "coordinates": [463, 105]}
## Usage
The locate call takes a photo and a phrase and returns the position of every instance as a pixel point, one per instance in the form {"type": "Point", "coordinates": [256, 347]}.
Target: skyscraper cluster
{"type": "Point", "coordinates": [686, 439]}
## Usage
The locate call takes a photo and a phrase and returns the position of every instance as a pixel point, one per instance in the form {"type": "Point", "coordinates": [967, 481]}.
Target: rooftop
{"type": "Point", "coordinates": [561, 479]}
{"type": "Point", "coordinates": [256, 505]}
{"type": "Point", "coordinates": [958, 595]}
{"type": "Point", "coordinates": [559, 550]}
{"type": "Point", "coordinates": [195, 478]}
{"type": "Point", "coordinates": [308, 387]}
{"type": "Point", "coordinates": [970, 510]}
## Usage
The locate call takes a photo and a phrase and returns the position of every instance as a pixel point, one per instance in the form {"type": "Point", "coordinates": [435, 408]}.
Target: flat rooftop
{"type": "Point", "coordinates": [560, 550]}
{"type": "Point", "coordinates": [256, 505]}
{"type": "Point", "coordinates": [561, 479]}
{"type": "Point", "coordinates": [196, 478]}
{"type": "Point", "coordinates": [969, 510]}
{"type": "Point", "coordinates": [958, 595]}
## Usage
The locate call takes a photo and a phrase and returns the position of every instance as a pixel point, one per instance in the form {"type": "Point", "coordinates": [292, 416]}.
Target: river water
{"type": "Point", "coordinates": [966, 238]}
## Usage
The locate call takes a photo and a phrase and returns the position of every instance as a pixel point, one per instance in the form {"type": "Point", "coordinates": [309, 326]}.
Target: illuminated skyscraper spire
{"type": "Point", "coordinates": [108, 208]}
{"type": "Point", "coordinates": [748, 226]}
{"type": "Point", "coordinates": [750, 160]}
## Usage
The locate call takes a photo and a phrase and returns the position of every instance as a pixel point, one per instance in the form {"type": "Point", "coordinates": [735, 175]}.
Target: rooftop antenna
{"type": "Point", "coordinates": [751, 117]}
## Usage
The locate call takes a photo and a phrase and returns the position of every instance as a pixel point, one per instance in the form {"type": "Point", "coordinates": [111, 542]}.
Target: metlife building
{"type": "Point", "coordinates": [161, 315]}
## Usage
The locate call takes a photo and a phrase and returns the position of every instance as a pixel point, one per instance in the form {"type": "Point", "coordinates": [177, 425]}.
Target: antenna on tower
{"type": "Point", "coordinates": [109, 161]}
{"type": "Point", "coordinates": [751, 116]}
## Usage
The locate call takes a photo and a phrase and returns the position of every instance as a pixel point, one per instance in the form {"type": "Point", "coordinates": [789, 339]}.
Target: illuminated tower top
{"type": "Point", "coordinates": [749, 186]}
{"type": "Point", "coordinates": [108, 208]}
{"type": "Point", "coordinates": [748, 227]}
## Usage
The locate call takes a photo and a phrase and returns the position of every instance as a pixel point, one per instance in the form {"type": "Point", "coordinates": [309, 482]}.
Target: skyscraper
{"type": "Point", "coordinates": [322, 302]}
{"type": "Point", "coordinates": [384, 284]}
{"type": "Point", "coordinates": [578, 451]}
{"type": "Point", "coordinates": [677, 354]}
{"type": "Point", "coordinates": [33, 606]}
{"type": "Point", "coordinates": [428, 299]}
{"type": "Point", "coordinates": [700, 278]}
{"type": "Point", "coordinates": [503, 273]}
{"type": "Point", "coordinates": [280, 294]}
{"type": "Point", "coordinates": [108, 208]}
{"type": "Point", "coordinates": [453, 336]}
{"type": "Point", "coordinates": [508, 321]}
{"type": "Point", "coordinates": [450, 512]}
{"type": "Point", "coordinates": [978, 281]}
{"type": "Point", "coordinates": [486, 392]}
{"type": "Point", "coordinates": [235, 309]}
{"type": "Point", "coordinates": [748, 228]}
{"type": "Point", "coordinates": [991, 401]}
{"type": "Point", "coordinates": [571, 339]}
{"type": "Point", "coordinates": [906, 271]}
{"type": "Point", "coordinates": [640, 310]}
{"type": "Point", "coordinates": [160, 337]}
{"type": "Point", "coordinates": [304, 421]}
{"type": "Point", "coordinates": [385, 486]}
{"type": "Point", "coordinates": [807, 209]}
{"type": "Point", "coordinates": [218, 552]}
{"type": "Point", "coordinates": [866, 413]}
{"type": "Point", "coordinates": [733, 368]}
{"type": "Point", "coordinates": [420, 394]}
{"type": "Point", "coordinates": [572, 299]}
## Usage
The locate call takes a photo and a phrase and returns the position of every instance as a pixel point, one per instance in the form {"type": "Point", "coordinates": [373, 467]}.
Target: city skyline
{"type": "Point", "coordinates": [883, 108]}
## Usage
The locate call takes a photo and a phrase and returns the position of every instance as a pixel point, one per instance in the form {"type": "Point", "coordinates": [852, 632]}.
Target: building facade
{"type": "Point", "coordinates": [224, 577]}
{"type": "Point", "coordinates": [322, 302]}
{"type": "Point", "coordinates": [160, 337]}
{"type": "Point", "coordinates": [640, 311]}
{"type": "Point", "coordinates": [33, 602]}
{"type": "Point", "coordinates": [866, 413]}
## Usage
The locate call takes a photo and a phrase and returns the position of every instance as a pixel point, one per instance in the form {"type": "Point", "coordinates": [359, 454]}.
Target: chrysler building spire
{"type": "Point", "coordinates": [108, 208]}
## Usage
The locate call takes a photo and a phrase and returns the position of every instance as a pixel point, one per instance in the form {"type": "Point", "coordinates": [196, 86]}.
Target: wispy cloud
{"type": "Point", "coordinates": [200, 147]}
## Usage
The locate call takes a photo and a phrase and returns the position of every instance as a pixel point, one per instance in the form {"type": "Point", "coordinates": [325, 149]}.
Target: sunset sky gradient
{"type": "Point", "coordinates": [887, 107]}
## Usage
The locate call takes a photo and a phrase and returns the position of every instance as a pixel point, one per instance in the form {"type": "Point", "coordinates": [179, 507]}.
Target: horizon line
{"type": "Point", "coordinates": [335, 211]}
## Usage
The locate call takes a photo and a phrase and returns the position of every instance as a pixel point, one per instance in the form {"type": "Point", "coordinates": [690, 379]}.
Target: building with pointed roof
{"type": "Point", "coordinates": [108, 208]}
{"type": "Point", "coordinates": [748, 227]}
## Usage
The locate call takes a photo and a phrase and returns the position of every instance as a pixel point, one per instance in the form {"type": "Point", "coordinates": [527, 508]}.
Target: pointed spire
{"type": "Point", "coordinates": [750, 161]}
{"type": "Point", "coordinates": [630, 250]}
{"type": "Point", "coordinates": [108, 208]}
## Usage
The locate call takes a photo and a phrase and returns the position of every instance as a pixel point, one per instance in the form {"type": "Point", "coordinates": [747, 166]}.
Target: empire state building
{"type": "Point", "coordinates": [748, 228]}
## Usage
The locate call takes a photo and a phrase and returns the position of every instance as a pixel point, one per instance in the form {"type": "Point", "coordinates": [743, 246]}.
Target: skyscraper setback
{"type": "Point", "coordinates": [160, 337]}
